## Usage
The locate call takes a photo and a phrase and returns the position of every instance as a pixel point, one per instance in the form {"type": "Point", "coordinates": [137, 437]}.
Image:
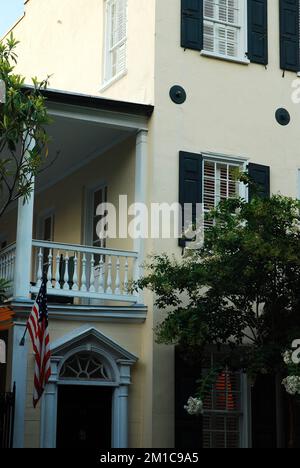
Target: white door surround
{"type": "Point", "coordinates": [117, 363]}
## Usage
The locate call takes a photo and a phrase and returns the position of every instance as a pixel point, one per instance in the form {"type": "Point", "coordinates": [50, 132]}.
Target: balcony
{"type": "Point", "coordinates": [76, 272]}
{"type": "Point", "coordinates": [95, 145]}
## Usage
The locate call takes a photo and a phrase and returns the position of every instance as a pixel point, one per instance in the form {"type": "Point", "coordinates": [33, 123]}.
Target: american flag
{"type": "Point", "coordinates": [37, 326]}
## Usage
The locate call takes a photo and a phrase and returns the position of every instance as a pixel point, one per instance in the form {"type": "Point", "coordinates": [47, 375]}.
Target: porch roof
{"type": "Point", "coordinates": [85, 127]}
{"type": "Point", "coordinates": [96, 102]}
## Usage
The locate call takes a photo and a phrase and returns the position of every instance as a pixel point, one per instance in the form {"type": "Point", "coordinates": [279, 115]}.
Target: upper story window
{"type": "Point", "coordinates": [115, 39]}
{"type": "Point", "coordinates": [235, 30]}
{"type": "Point", "coordinates": [224, 28]}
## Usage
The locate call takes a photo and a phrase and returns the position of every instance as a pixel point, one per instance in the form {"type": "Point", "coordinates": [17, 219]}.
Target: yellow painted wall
{"type": "Point", "coordinates": [230, 109]}
{"type": "Point", "coordinates": [64, 39]}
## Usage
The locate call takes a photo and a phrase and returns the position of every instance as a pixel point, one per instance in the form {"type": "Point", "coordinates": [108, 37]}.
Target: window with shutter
{"type": "Point", "coordinates": [224, 28]}
{"type": "Point", "coordinates": [116, 39]}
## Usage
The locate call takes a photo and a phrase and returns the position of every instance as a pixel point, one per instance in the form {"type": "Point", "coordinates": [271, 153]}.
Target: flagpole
{"type": "Point", "coordinates": [22, 342]}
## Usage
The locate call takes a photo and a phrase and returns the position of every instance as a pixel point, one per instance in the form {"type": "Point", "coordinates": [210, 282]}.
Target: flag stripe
{"type": "Point", "coordinates": [37, 326]}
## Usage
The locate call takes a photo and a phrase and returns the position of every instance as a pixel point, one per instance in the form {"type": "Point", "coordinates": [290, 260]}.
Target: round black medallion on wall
{"type": "Point", "coordinates": [178, 94]}
{"type": "Point", "coordinates": [283, 117]}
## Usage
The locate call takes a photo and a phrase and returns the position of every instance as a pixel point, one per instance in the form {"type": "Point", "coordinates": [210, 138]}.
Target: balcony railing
{"type": "Point", "coordinates": [7, 265]}
{"type": "Point", "coordinates": [76, 271]}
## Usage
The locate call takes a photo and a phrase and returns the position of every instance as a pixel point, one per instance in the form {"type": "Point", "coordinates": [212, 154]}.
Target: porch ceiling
{"type": "Point", "coordinates": [74, 143]}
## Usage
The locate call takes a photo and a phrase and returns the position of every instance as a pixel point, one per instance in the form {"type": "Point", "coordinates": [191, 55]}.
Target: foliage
{"type": "Point", "coordinates": [241, 289]}
{"type": "Point", "coordinates": [23, 118]}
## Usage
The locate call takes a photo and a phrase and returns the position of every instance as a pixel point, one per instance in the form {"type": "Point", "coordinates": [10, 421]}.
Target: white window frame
{"type": "Point", "coordinates": [243, 38]}
{"type": "Point", "coordinates": [108, 77]}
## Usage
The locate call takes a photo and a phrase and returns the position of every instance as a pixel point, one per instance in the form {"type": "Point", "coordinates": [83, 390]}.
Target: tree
{"type": "Point", "coordinates": [241, 289]}
{"type": "Point", "coordinates": [23, 137]}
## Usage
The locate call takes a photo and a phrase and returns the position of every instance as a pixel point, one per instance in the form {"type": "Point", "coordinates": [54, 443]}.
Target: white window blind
{"type": "Point", "coordinates": [224, 28]}
{"type": "Point", "coordinates": [218, 184]}
{"type": "Point", "coordinates": [116, 38]}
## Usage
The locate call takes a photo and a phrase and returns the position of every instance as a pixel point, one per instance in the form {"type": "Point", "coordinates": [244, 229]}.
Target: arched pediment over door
{"type": "Point", "coordinates": [88, 357]}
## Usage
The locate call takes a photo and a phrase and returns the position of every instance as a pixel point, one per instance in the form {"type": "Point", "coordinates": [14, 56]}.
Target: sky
{"type": "Point", "coordinates": [10, 11]}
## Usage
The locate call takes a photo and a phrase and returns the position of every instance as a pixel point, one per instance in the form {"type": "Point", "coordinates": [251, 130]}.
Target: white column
{"type": "Point", "coordinates": [24, 244]}
{"type": "Point", "coordinates": [49, 410]}
{"type": "Point", "coordinates": [141, 182]}
{"type": "Point", "coordinates": [120, 406]}
{"type": "Point", "coordinates": [123, 412]}
{"type": "Point", "coordinates": [19, 377]}
{"type": "Point", "coordinates": [120, 418]}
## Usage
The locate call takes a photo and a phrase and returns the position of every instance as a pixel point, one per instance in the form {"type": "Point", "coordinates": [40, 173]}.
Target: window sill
{"type": "Point", "coordinates": [113, 80]}
{"type": "Point", "coordinates": [243, 61]}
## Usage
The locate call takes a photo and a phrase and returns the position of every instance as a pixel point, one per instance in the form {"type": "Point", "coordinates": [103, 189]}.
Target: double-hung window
{"type": "Point", "coordinates": [224, 28]}
{"type": "Point", "coordinates": [115, 39]}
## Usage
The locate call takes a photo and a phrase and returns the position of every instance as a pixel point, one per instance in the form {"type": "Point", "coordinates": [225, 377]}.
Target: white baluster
{"type": "Point", "coordinates": [13, 256]}
{"type": "Point", "coordinates": [101, 276]}
{"type": "Point", "coordinates": [9, 266]}
{"type": "Point", "coordinates": [83, 275]}
{"type": "Point", "coordinates": [75, 277]}
{"type": "Point", "coordinates": [118, 281]}
{"type": "Point", "coordinates": [92, 275]}
{"type": "Point", "coordinates": [126, 276]}
{"type": "Point", "coordinates": [49, 272]}
{"type": "Point", "coordinates": [57, 272]}
{"type": "Point", "coordinates": [109, 277]}
{"type": "Point", "coordinates": [6, 267]}
{"type": "Point", "coordinates": [66, 276]}
{"type": "Point", "coordinates": [40, 269]}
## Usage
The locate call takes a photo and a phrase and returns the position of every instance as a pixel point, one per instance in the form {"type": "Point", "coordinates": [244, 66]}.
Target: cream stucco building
{"type": "Point", "coordinates": [121, 128]}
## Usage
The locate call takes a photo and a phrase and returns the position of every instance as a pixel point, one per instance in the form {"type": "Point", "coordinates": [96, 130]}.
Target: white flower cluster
{"type": "Point", "coordinates": [295, 228]}
{"type": "Point", "coordinates": [292, 384]}
{"type": "Point", "coordinates": [287, 357]}
{"type": "Point", "coordinates": [194, 406]}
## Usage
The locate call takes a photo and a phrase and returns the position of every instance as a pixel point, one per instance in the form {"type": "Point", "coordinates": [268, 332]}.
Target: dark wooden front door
{"type": "Point", "coordinates": [84, 417]}
{"type": "Point", "coordinates": [264, 414]}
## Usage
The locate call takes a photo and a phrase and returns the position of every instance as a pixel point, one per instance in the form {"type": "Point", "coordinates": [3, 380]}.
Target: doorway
{"type": "Point", "coordinates": [84, 417]}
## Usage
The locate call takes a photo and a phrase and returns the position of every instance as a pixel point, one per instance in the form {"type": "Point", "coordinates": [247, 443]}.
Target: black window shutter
{"type": "Point", "coordinates": [260, 175]}
{"type": "Point", "coordinates": [190, 182]}
{"type": "Point", "coordinates": [289, 35]}
{"type": "Point", "coordinates": [192, 24]}
{"type": "Point", "coordinates": [258, 31]}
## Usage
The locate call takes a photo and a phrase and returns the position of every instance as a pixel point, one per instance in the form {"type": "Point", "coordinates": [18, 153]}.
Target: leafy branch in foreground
{"type": "Point", "coordinates": [241, 289]}
{"type": "Point", "coordinates": [23, 138]}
